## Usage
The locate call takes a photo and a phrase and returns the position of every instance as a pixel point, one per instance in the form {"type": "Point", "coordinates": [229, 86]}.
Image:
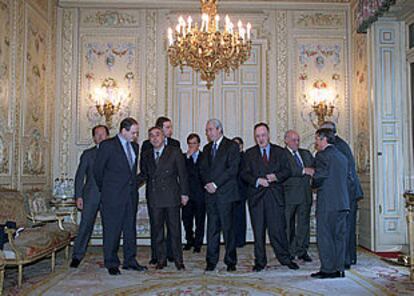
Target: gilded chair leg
{"type": "Point", "coordinates": [53, 261]}
{"type": "Point", "coordinates": [20, 276]}
{"type": "Point", "coordinates": [67, 252]}
{"type": "Point", "coordinates": [1, 281]}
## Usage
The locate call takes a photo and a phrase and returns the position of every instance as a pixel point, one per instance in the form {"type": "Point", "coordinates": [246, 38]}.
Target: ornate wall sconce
{"type": "Point", "coordinates": [322, 100]}
{"type": "Point", "coordinates": [108, 99]}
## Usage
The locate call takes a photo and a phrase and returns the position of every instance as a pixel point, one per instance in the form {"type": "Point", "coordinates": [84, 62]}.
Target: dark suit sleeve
{"type": "Point", "coordinates": [232, 168]}
{"type": "Point", "coordinates": [284, 171]}
{"type": "Point", "coordinates": [102, 157]}
{"type": "Point", "coordinates": [247, 173]}
{"type": "Point", "coordinates": [80, 175]}
{"type": "Point", "coordinates": [142, 176]}
{"type": "Point", "coordinates": [182, 173]}
{"type": "Point", "coordinates": [203, 168]}
{"type": "Point", "coordinates": [321, 170]}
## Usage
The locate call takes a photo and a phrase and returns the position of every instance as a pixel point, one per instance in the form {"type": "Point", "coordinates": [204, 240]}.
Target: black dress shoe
{"type": "Point", "coordinates": [291, 265]}
{"type": "Point", "coordinates": [160, 265]}
{"type": "Point", "coordinates": [197, 250]}
{"type": "Point", "coordinates": [231, 267]}
{"type": "Point", "coordinates": [153, 261]}
{"type": "Point", "coordinates": [339, 274]}
{"type": "Point", "coordinates": [187, 247]}
{"type": "Point", "coordinates": [75, 263]}
{"type": "Point", "coordinates": [113, 271]}
{"type": "Point", "coordinates": [325, 275]}
{"type": "Point", "coordinates": [170, 259]}
{"type": "Point", "coordinates": [180, 266]}
{"type": "Point", "coordinates": [347, 266]}
{"type": "Point", "coordinates": [210, 267]}
{"type": "Point", "coordinates": [305, 258]}
{"type": "Point", "coordinates": [136, 267]}
{"type": "Point", "coordinates": [257, 268]}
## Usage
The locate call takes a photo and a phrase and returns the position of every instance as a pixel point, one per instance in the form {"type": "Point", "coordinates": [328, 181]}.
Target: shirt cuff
{"type": "Point", "coordinates": [257, 183]}
{"type": "Point", "coordinates": [214, 184]}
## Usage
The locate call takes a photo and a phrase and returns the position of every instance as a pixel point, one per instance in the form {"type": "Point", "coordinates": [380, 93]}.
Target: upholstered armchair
{"type": "Point", "coordinates": [33, 243]}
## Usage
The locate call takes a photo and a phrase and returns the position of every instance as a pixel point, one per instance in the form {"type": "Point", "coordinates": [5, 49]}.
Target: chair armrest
{"type": "Point", "coordinates": [60, 218]}
{"type": "Point", "coordinates": [10, 232]}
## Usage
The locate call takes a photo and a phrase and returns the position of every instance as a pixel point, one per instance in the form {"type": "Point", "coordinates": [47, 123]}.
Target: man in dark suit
{"type": "Point", "coordinates": [240, 224]}
{"type": "Point", "coordinates": [195, 210]}
{"type": "Point", "coordinates": [265, 169]}
{"type": "Point", "coordinates": [165, 124]}
{"type": "Point", "coordinates": [87, 195]}
{"type": "Point", "coordinates": [298, 196]}
{"type": "Point", "coordinates": [218, 168]}
{"type": "Point", "coordinates": [115, 173]}
{"type": "Point", "coordinates": [355, 195]}
{"type": "Point", "coordinates": [163, 169]}
{"type": "Point", "coordinates": [331, 182]}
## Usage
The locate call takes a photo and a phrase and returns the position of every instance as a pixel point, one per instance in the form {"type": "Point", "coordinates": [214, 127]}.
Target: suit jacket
{"type": "Point", "coordinates": [168, 180]}
{"type": "Point", "coordinates": [331, 180]}
{"type": "Point", "coordinates": [243, 187]}
{"type": "Point", "coordinates": [116, 181]}
{"type": "Point", "coordinates": [85, 185]}
{"type": "Point", "coordinates": [254, 168]}
{"type": "Point", "coordinates": [146, 145]}
{"type": "Point", "coordinates": [194, 178]}
{"type": "Point", "coordinates": [297, 187]}
{"type": "Point", "coordinates": [355, 188]}
{"type": "Point", "coordinates": [222, 170]}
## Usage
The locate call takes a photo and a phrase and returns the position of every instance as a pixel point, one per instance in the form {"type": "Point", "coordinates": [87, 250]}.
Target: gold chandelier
{"type": "Point", "coordinates": [206, 49]}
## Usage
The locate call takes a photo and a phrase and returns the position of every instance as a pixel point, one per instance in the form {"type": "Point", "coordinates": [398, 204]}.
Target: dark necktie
{"type": "Point", "coordinates": [214, 151]}
{"type": "Point", "coordinates": [157, 158]}
{"type": "Point", "coordinates": [297, 159]}
{"type": "Point", "coordinates": [129, 155]}
{"type": "Point", "coordinates": [264, 156]}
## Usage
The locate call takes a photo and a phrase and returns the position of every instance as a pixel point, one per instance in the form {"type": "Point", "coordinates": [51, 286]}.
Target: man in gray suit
{"type": "Point", "coordinates": [355, 195]}
{"type": "Point", "coordinates": [331, 182]}
{"type": "Point", "coordinates": [298, 196]}
{"type": "Point", "coordinates": [87, 195]}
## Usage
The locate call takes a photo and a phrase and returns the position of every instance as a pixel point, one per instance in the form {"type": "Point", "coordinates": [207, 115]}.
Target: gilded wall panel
{"type": "Point", "coordinates": [319, 64]}
{"type": "Point", "coordinates": [5, 37]}
{"type": "Point", "coordinates": [106, 59]}
{"type": "Point", "coordinates": [109, 18]}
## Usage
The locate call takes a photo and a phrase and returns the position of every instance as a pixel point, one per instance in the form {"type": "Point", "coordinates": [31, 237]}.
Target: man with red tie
{"type": "Point", "coordinates": [265, 169]}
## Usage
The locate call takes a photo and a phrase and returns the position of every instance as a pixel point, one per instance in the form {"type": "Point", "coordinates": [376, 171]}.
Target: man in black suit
{"type": "Point", "coordinates": [218, 168]}
{"type": "Point", "coordinates": [298, 196]}
{"type": "Point", "coordinates": [115, 173]}
{"type": "Point", "coordinates": [195, 210]}
{"type": "Point", "coordinates": [163, 169]}
{"type": "Point", "coordinates": [165, 124]}
{"type": "Point", "coordinates": [265, 169]}
{"type": "Point", "coordinates": [239, 222]}
{"type": "Point", "coordinates": [355, 195]}
{"type": "Point", "coordinates": [87, 195]}
{"type": "Point", "coordinates": [331, 182]}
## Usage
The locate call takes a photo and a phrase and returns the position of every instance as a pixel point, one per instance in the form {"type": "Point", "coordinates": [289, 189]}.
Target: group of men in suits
{"type": "Point", "coordinates": [276, 182]}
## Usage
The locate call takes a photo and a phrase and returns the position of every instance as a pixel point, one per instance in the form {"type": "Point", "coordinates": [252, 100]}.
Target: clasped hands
{"type": "Point", "coordinates": [210, 187]}
{"type": "Point", "coordinates": [265, 182]}
{"type": "Point", "coordinates": [184, 199]}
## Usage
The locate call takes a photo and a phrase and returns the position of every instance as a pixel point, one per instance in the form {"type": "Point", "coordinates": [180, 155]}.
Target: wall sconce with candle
{"type": "Point", "coordinates": [322, 99]}
{"type": "Point", "coordinates": [108, 99]}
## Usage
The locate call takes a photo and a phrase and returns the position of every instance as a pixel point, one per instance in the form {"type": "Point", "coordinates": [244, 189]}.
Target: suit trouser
{"type": "Point", "coordinates": [351, 247]}
{"type": "Point", "coordinates": [90, 210]}
{"type": "Point", "coordinates": [169, 216]}
{"type": "Point", "coordinates": [152, 238]}
{"type": "Point", "coordinates": [298, 227]}
{"type": "Point", "coordinates": [194, 211]}
{"type": "Point", "coordinates": [239, 222]}
{"type": "Point", "coordinates": [268, 214]}
{"type": "Point", "coordinates": [220, 217]}
{"type": "Point", "coordinates": [331, 236]}
{"type": "Point", "coordinates": [117, 220]}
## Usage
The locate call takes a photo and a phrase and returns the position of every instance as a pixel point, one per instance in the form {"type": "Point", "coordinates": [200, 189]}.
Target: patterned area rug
{"type": "Point", "coordinates": [371, 276]}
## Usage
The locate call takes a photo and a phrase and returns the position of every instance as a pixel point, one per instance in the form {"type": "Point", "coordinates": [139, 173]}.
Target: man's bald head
{"type": "Point", "coordinates": [292, 140]}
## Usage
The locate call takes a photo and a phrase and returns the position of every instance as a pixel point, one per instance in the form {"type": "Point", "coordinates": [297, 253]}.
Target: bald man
{"type": "Point", "coordinates": [298, 196]}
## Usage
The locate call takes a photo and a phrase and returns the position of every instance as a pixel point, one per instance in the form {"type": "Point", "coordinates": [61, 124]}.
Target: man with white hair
{"type": "Point", "coordinates": [355, 194]}
{"type": "Point", "coordinates": [219, 168]}
{"type": "Point", "coordinates": [298, 196]}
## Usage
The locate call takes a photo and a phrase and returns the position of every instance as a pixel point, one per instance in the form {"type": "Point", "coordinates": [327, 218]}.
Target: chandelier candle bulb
{"type": "Point", "coordinates": [189, 21]}
{"type": "Point", "coordinates": [170, 36]}
{"type": "Point", "coordinates": [249, 27]}
{"type": "Point", "coordinates": [217, 23]}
